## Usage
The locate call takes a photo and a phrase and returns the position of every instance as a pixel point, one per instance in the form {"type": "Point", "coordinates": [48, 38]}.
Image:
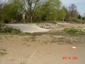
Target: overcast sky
{"type": "Point", "coordinates": [79, 3]}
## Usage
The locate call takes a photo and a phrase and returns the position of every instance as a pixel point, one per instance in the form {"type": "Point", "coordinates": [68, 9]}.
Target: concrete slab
{"type": "Point", "coordinates": [30, 28]}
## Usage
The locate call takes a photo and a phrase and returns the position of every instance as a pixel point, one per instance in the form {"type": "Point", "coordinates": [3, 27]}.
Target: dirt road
{"type": "Point", "coordinates": [42, 49]}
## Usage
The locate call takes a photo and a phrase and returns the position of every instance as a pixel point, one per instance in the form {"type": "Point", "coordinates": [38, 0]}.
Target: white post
{"type": "Point", "coordinates": [24, 18]}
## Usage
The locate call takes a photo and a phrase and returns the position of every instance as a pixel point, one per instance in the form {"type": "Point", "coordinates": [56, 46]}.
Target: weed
{"type": "Point", "coordinates": [33, 38]}
{"type": "Point", "coordinates": [11, 36]}
{"type": "Point", "coordinates": [3, 49]}
{"type": "Point", "coordinates": [5, 37]}
{"type": "Point", "coordinates": [45, 42]}
{"type": "Point", "coordinates": [6, 29]}
{"type": "Point", "coordinates": [75, 30]}
{"type": "Point", "coordinates": [60, 43]}
{"type": "Point", "coordinates": [28, 45]}
{"type": "Point", "coordinates": [24, 43]}
{"type": "Point", "coordinates": [26, 39]}
{"type": "Point", "coordinates": [25, 33]}
{"type": "Point", "coordinates": [2, 53]}
{"type": "Point", "coordinates": [71, 30]}
{"type": "Point", "coordinates": [0, 38]}
{"type": "Point", "coordinates": [22, 63]}
{"type": "Point", "coordinates": [53, 41]}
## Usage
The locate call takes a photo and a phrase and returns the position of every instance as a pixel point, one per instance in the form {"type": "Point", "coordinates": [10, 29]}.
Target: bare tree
{"type": "Point", "coordinates": [29, 7]}
{"type": "Point", "coordinates": [73, 10]}
{"type": "Point", "coordinates": [35, 8]}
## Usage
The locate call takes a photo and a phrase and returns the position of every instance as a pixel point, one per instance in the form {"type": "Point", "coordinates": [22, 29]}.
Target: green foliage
{"type": "Point", "coordinates": [74, 19]}
{"type": "Point", "coordinates": [71, 30]}
{"type": "Point", "coordinates": [38, 10]}
{"type": "Point", "coordinates": [79, 17]}
{"type": "Point", "coordinates": [10, 11]}
{"type": "Point", "coordinates": [1, 12]}
{"type": "Point", "coordinates": [6, 29]}
{"type": "Point", "coordinates": [75, 30]}
{"type": "Point", "coordinates": [35, 10]}
{"type": "Point", "coordinates": [33, 38]}
{"type": "Point", "coordinates": [66, 18]}
{"type": "Point", "coordinates": [22, 63]}
{"type": "Point", "coordinates": [2, 53]}
{"type": "Point", "coordinates": [61, 14]}
{"type": "Point", "coordinates": [48, 11]}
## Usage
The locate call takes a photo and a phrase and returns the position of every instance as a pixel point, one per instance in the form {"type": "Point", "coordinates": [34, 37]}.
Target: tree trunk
{"type": "Point", "coordinates": [63, 19]}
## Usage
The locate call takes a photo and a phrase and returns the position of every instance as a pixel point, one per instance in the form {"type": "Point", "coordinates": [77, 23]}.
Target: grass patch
{"type": "Point", "coordinates": [25, 33]}
{"type": "Point", "coordinates": [78, 30]}
{"type": "Point", "coordinates": [0, 37]}
{"type": "Point", "coordinates": [5, 37]}
{"type": "Point", "coordinates": [28, 45]}
{"type": "Point", "coordinates": [3, 49]}
{"type": "Point", "coordinates": [76, 20]}
{"type": "Point", "coordinates": [26, 39]}
{"type": "Point", "coordinates": [8, 30]}
{"type": "Point", "coordinates": [22, 63]}
{"type": "Point", "coordinates": [33, 38]}
{"type": "Point", "coordinates": [45, 42]}
{"type": "Point", "coordinates": [53, 41]}
{"type": "Point", "coordinates": [2, 53]}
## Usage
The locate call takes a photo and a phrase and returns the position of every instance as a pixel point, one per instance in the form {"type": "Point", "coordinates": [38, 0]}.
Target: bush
{"type": "Point", "coordinates": [6, 29]}
{"type": "Point", "coordinates": [77, 20]}
{"type": "Point", "coordinates": [6, 21]}
{"type": "Point", "coordinates": [71, 30]}
{"type": "Point", "coordinates": [75, 30]}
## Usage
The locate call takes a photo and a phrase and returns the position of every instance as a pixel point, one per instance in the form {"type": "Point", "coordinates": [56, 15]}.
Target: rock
{"type": "Point", "coordinates": [73, 47]}
{"type": "Point", "coordinates": [47, 27]}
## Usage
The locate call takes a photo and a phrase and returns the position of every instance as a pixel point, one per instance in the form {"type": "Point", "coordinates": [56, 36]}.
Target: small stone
{"type": "Point", "coordinates": [73, 47]}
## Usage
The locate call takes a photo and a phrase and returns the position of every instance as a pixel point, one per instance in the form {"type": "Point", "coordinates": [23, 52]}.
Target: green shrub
{"type": "Point", "coordinates": [2, 53]}
{"type": "Point", "coordinates": [33, 38]}
{"type": "Point", "coordinates": [6, 29]}
{"type": "Point", "coordinates": [71, 30]}
{"type": "Point", "coordinates": [74, 19]}
{"type": "Point", "coordinates": [75, 30]}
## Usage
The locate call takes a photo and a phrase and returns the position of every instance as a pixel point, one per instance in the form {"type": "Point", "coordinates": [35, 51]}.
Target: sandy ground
{"type": "Point", "coordinates": [43, 49]}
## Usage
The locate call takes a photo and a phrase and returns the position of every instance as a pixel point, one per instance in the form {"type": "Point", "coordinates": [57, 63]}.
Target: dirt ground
{"type": "Point", "coordinates": [43, 48]}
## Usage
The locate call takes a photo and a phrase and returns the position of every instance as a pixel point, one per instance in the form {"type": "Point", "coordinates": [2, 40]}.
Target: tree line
{"type": "Point", "coordinates": [37, 10]}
